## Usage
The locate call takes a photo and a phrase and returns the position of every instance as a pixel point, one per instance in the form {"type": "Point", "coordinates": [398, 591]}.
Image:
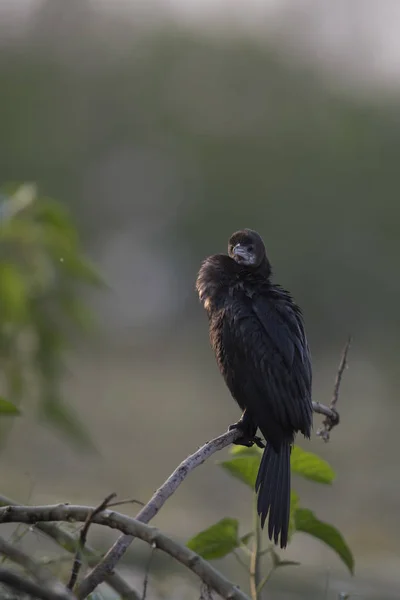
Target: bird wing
{"type": "Point", "coordinates": [283, 323]}
{"type": "Point", "coordinates": [271, 354]}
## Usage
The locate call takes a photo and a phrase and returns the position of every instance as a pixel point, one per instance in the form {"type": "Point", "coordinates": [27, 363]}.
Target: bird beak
{"type": "Point", "coordinates": [241, 253]}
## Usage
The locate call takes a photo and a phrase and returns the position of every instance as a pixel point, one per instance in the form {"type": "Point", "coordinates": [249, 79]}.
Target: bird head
{"type": "Point", "coordinates": [246, 248]}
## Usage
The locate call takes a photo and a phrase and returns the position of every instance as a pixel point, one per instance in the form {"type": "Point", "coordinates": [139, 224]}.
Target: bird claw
{"type": "Point", "coordinates": [258, 442]}
{"type": "Point", "coordinates": [248, 438]}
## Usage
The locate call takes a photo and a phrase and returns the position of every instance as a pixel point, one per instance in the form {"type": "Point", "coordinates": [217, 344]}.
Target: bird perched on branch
{"type": "Point", "coordinates": [257, 333]}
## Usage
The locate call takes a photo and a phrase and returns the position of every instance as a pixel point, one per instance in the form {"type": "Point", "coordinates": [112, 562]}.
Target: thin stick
{"type": "Point", "coordinates": [342, 366]}
{"type": "Point", "coordinates": [133, 528]}
{"type": "Point", "coordinates": [82, 541]}
{"type": "Point", "coordinates": [127, 501]}
{"type": "Point", "coordinates": [146, 575]}
{"type": "Point", "coordinates": [332, 416]}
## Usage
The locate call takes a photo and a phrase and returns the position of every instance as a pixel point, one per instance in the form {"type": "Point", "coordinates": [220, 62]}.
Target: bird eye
{"type": "Point", "coordinates": [250, 248]}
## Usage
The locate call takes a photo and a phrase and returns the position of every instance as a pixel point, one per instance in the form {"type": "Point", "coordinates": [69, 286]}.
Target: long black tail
{"type": "Point", "coordinates": [273, 487]}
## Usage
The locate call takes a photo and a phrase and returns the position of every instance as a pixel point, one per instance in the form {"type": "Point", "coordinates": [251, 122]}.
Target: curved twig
{"type": "Point", "coordinates": [131, 527]}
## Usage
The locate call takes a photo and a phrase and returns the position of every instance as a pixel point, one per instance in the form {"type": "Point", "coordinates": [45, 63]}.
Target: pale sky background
{"type": "Point", "coordinates": [357, 38]}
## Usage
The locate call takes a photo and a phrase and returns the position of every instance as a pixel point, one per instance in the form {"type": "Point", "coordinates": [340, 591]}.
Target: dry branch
{"type": "Point", "coordinates": [131, 527]}
{"type": "Point", "coordinates": [149, 511]}
{"type": "Point", "coordinates": [69, 542]}
{"type": "Point", "coordinates": [332, 416]}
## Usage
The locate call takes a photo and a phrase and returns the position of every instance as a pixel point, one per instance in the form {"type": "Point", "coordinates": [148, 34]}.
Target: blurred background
{"type": "Point", "coordinates": [163, 126]}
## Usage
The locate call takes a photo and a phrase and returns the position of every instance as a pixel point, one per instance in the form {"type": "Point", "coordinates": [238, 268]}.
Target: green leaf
{"type": "Point", "coordinates": [244, 468]}
{"type": "Point", "coordinates": [294, 505]}
{"type": "Point", "coordinates": [310, 466]}
{"type": "Point", "coordinates": [307, 522]}
{"type": "Point", "coordinates": [80, 269]}
{"type": "Point", "coordinates": [217, 541]}
{"type": "Point", "coordinates": [13, 294]}
{"type": "Point", "coordinates": [77, 312]}
{"type": "Point", "coordinates": [7, 408]}
{"type": "Point", "coordinates": [22, 197]}
{"type": "Point", "coordinates": [54, 215]}
{"type": "Point", "coordinates": [245, 451]}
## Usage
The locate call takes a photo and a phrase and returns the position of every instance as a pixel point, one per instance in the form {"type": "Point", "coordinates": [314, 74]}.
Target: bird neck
{"type": "Point", "coordinates": [263, 271]}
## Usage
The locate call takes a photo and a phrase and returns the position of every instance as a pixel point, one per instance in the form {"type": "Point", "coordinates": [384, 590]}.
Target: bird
{"type": "Point", "coordinates": [258, 336]}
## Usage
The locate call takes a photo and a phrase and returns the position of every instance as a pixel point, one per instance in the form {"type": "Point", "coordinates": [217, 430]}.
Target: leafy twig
{"type": "Point", "coordinates": [82, 540]}
{"type": "Point", "coordinates": [132, 527]}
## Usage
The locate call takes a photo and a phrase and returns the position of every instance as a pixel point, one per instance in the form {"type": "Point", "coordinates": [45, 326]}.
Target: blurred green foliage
{"type": "Point", "coordinates": [42, 269]}
{"type": "Point", "coordinates": [248, 138]}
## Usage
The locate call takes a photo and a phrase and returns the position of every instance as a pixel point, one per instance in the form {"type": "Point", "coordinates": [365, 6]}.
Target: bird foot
{"type": "Point", "coordinates": [248, 438]}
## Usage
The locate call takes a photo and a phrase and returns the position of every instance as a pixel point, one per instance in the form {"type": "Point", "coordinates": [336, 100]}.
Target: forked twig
{"type": "Point", "coordinates": [82, 540]}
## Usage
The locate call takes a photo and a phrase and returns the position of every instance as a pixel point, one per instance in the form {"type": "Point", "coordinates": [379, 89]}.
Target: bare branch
{"type": "Point", "coordinates": [149, 511]}
{"type": "Point", "coordinates": [69, 542]}
{"type": "Point", "coordinates": [332, 416]}
{"type": "Point", "coordinates": [342, 366]}
{"type": "Point", "coordinates": [322, 409]}
{"type": "Point", "coordinates": [82, 541]}
{"type": "Point", "coordinates": [21, 584]}
{"type": "Point", "coordinates": [133, 528]}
